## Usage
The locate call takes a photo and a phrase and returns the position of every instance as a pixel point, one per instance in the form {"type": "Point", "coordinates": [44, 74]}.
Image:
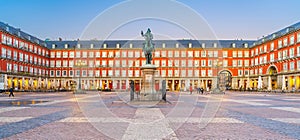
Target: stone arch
{"type": "Point", "coordinates": [272, 70]}
{"type": "Point", "coordinates": [225, 81]}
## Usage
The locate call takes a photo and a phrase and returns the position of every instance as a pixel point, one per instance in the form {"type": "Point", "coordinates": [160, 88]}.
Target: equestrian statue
{"type": "Point", "coordinates": [148, 47]}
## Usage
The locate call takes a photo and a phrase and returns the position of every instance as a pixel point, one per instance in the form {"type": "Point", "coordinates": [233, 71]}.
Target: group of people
{"type": "Point", "coordinates": [199, 90]}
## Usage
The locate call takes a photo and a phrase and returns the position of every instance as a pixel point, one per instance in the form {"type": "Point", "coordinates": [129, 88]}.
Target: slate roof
{"type": "Point", "coordinates": [279, 33]}
{"type": "Point", "coordinates": [97, 44]}
{"type": "Point", "coordinates": [17, 32]}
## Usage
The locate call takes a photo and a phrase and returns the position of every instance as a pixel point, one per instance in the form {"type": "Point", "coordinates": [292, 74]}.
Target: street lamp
{"type": "Point", "coordinates": [217, 90]}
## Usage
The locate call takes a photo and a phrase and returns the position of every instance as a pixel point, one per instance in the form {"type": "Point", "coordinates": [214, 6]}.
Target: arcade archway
{"type": "Point", "coordinates": [225, 79]}
{"type": "Point", "coordinates": [272, 72]}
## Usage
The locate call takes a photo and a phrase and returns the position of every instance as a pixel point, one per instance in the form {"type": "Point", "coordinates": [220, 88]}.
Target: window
{"type": "Point", "coordinates": [240, 63]}
{"type": "Point", "coordinates": [71, 63]}
{"type": "Point", "coordinates": [57, 73]}
{"type": "Point", "coordinates": [58, 54]}
{"type": "Point", "coordinates": [279, 43]}
{"type": "Point", "coordinates": [110, 63]}
{"type": "Point", "coordinates": [58, 63]}
{"type": "Point", "coordinates": [65, 54]}
{"type": "Point", "coordinates": [225, 54]}
{"type": "Point", "coordinates": [298, 51]}
{"type": "Point", "coordinates": [209, 72]}
{"type": "Point", "coordinates": [130, 63]}
{"type": "Point", "coordinates": [183, 53]}
{"type": "Point", "coordinates": [91, 54]}
{"type": "Point", "coordinates": [190, 53]}
{"type": "Point", "coordinates": [292, 40]}
{"type": "Point", "coordinates": [265, 48]}
{"type": "Point", "coordinates": [51, 73]}
{"type": "Point", "coordinates": [176, 63]}
{"type": "Point", "coordinates": [203, 63]}
{"type": "Point", "coordinates": [97, 54]}
{"type": "Point", "coordinates": [170, 63]}
{"type": "Point", "coordinates": [210, 53]}
{"type": "Point", "coordinates": [203, 72]}
{"type": "Point", "coordinates": [170, 54]}
{"type": "Point", "coordinates": [234, 63]}
{"type": "Point", "coordinates": [190, 63]}
{"type": "Point", "coordinates": [246, 53]}
{"type": "Point", "coordinates": [104, 54]}
{"type": "Point", "coordinates": [3, 55]}
{"type": "Point", "coordinates": [260, 71]}
{"type": "Point", "coordinates": [203, 53]}
{"type": "Point", "coordinates": [225, 63]}
{"type": "Point", "coordinates": [272, 57]}
{"type": "Point", "coordinates": [246, 63]}
{"type": "Point", "coordinates": [163, 73]}
{"type": "Point", "coordinates": [183, 73]}
{"type": "Point", "coordinates": [3, 39]}
{"type": "Point", "coordinates": [291, 52]}
{"type": "Point", "coordinates": [176, 53]}
{"type": "Point", "coordinates": [298, 37]}
{"type": "Point", "coordinates": [65, 63]}
{"type": "Point", "coordinates": [196, 63]}
{"type": "Point", "coordinates": [215, 53]}
{"type": "Point", "coordinates": [190, 73]}
{"type": "Point", "coordinates": [77, 73]}
{"type": "Point", "coordinates": [137, 73]}
{"type": "Point", "coordinates": [137, 54]}
{"type": "Point", "coordinates": [163, 63]}
{"type": "Point", "coordinates": [130, 54]}
{"type": "Point", "coordinates": [78, 55]}
{"type": "Point", "coordinates": [233, 53]}
{"type": "Point", "coordinates": [197, 53]}
{"type": "Point", "coordinates": [71, 54]}
{"type": "Point", "coordinates": [124, 63]}
{"type": "Point", "coordinates": [272, 46]}
{"type": "Point", "coordinates": [104, 63]}
{"type": "Point", "coordinates": [285, 42]}
{"type": "Point", "coordinates": [170, 73]}
{"type": "Point", "coordinates": [103, 73]}
{"type": "Point", "coordinates": [240, 72]}
{"type": "Point", "coordinates": [117, 63]}
{"type": "Point", "coordinates": [292, 66]}
{"type": "Point", "coordinates": [209, 63]}
{"type": "Point", "coordinates": [176, 73]}
{"type": "Point", "coordinates": [298, 65]}
{"type": "Point", "coordinates": [246, 72]}
{"type": "Point", "coordinates": [163, 54]}
{"type": "Point", "coordinates": [280, 55]}
{"type": "Point", "coordinates": [71, 73]}
{"type": "Point", "coordinates": [91, 63]}
{"type": "Point", "coordinates": [137, 63]}
{"type": "Point", "coordinates": [240, 53]}
{"type": "Point", "coordinates": [284, 54]}
{"type": "Point", "coordinates": [284, 66]}
{"type": "Point", "coordinates": [157, 54]}
{"type": "Point", "coordinates": [84, 73]}
{"type": "Point", "coordinates": [183, 63]}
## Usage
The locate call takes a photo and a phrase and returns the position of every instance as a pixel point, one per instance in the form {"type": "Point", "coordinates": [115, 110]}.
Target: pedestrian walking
{"type": "Point", "coordinates": [191, 89]}
{"type": "Point", "coordinates": [202, 90]}
{"type": "Point", "coordinates": [11, 92]}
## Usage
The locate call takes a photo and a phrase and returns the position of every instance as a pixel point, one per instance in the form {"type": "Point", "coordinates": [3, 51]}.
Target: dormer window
{"type": "Point", "coordinates": [118, 45]}
{"type": "Point", "coordinates": [66, 46]}
{"type": "Point", "coordinates": [7, 29]}
{"type": "Point", "coordinates": [164, 45]}
{"type": "Point", "coordinates": [29, 38]}
{"type": "Point", "coordinates": [177, 45]}
{"type": "Point", "coordinates": [19, 33]}
{"type": "Point", "coordinates": [53, 46]}
{"type": "Point", "coordinates": [78, 46]}
{"type": "Point", "coordinates": [190, 45]}
{"type": "Point", "coordinates": [104, 46]}
{"type": "Point", "coordinates": [130, 45]}
{"type": "Point", "coordinates": [246, 45]}
{"type": "Point", "coordinates": [273, 36]}
{"type": "Point", "coordinates": [233, 45]}
{"type": "Point", "coordinates": [215, 45]}
{"type": "Point", "coordinates": [91, 46]}
{"type": "Point", "coordinates": [203, 45]}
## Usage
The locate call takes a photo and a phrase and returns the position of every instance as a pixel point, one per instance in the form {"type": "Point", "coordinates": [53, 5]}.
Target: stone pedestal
{"type": "Point", "coordinates": [148, 92]}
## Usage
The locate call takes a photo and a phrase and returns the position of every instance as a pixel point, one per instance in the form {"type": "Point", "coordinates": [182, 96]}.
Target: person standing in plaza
{"type": "Point", "coordinates": [191, 89]}
{"type": "Point", "coordinates": [11, 92]}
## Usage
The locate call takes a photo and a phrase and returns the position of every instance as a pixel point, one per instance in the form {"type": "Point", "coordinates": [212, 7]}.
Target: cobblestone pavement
{"type": "Point", "coordinates": [109, 115]}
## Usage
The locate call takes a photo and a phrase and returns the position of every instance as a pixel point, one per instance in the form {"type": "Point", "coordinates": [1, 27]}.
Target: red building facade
{"type": "Point", "coordinates": [28, 63]}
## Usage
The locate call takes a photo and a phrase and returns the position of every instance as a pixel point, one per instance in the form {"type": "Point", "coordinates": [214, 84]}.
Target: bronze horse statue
{"type": "Point", "coordinates": [148, 47]}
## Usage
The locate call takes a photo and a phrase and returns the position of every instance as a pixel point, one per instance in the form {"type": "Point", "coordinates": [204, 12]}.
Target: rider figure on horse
{"type": "Point", "coordinates": [148, 45]}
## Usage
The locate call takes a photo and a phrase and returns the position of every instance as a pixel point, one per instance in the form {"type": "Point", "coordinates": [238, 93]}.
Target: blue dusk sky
{"type": "Point", "coordinates": [225, 19]}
